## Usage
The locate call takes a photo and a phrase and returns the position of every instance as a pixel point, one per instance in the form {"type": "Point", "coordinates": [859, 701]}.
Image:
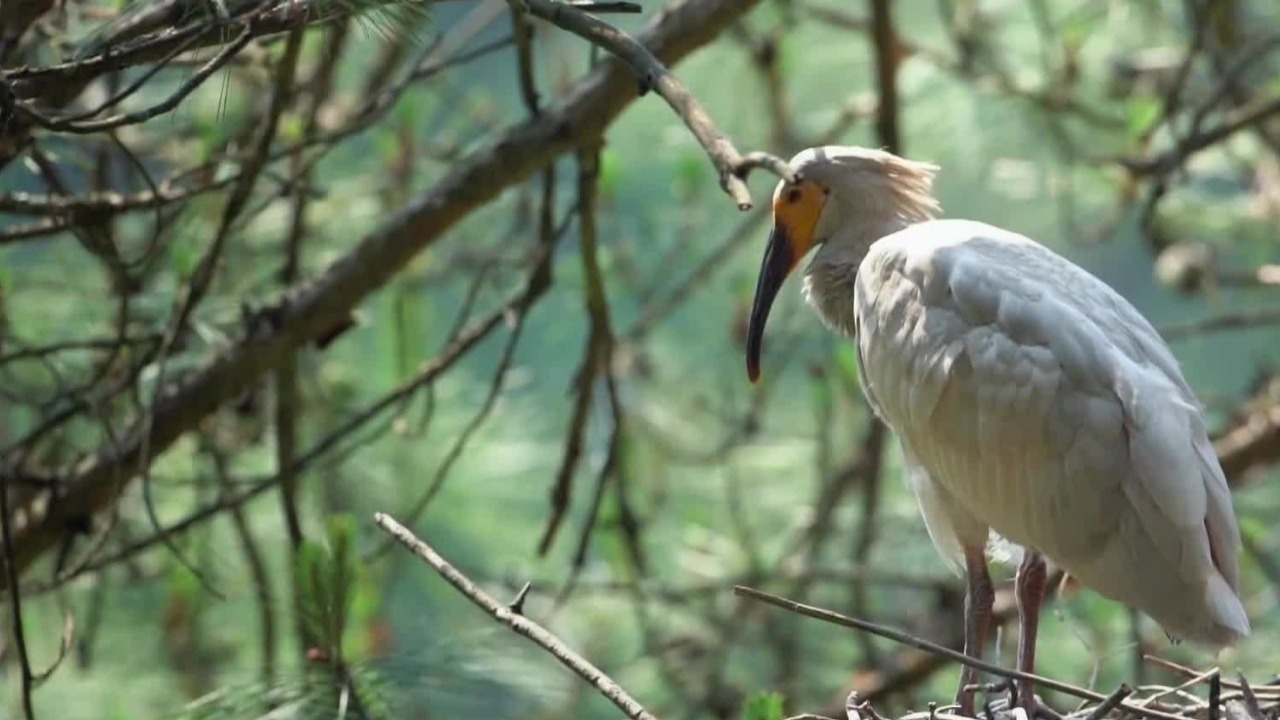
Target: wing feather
{"type": "Point", "coordinates": [1043, 403]}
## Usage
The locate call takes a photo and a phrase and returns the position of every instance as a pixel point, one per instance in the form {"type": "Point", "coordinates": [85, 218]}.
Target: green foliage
{"type": "Point", "coordinates": [184, 255]}
{"type": "Point", "coordinates": [325, 584]}
{"type": "Point", "coordinates": [611, 174]}
{"type": "Point", "coordinates": [386, 20]}
{"type": "Point", "coordinates": [1141, 112]}
{"type": "Point", "coordinates": [846, 357]}
{"type": "Point", "coordinates": [764, 706]}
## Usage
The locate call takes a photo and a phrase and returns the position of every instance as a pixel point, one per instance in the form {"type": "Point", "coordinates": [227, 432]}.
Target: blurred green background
{"type": "Point", "coordinates": [722, 477]}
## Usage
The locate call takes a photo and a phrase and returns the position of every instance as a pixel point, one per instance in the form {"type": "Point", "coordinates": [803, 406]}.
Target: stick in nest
{"type": "Point", "coordinates": [907, 639]}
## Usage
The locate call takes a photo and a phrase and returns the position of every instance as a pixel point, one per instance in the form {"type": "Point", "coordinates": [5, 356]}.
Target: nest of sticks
{"type": "Point", "coordinates": [1204, 696]}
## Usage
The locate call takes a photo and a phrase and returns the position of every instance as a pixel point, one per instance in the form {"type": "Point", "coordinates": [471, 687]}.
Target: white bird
{"type": "Point", "coordinates": [1030, 400]}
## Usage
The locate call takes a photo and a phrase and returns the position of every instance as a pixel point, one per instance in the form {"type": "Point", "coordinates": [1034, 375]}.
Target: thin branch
{"type": "Point", "coordinates": [16, 628]}
{"type": "Point", "coordinates": [597, 356]}
{"type": "Point", "coordinates": [516, 621]}
{"type": "Point", "coordinates": [954, 655]}
{"type": "Point", "coordinates": [1219, 323]}
{"type": "Point", "coordinates": [1173, 157]}
{"type": "Point", "coordinates": [1112, 701]}
{"type": "Point", "coordinates": [605, 6]}
{"type": "Point", "coordinates": [188, 86]}
{"type": "Point", "coordinates": [253, 559]}
{"type": "Point", "coordinates": [731, 164]}
{"type": "Point", "coordinates": [602, 337]}
{"type": "Point", "coordinates": [519, 309]}
{"type": "Point", "coordinates": [61, 82]}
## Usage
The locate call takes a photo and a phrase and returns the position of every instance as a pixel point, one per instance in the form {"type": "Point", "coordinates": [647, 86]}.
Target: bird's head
{"type": "Point", "coordinates": [842, 197]}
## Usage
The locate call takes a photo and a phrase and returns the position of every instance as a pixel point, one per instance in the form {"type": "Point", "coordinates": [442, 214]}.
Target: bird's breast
{"type": "Point", "coordinates": [987, 408]}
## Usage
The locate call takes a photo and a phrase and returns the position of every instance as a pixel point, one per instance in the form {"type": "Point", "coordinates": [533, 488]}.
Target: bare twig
{"type": "Point", "coordinates": [16, 627]}
{"type": "Point", "coordinates": [253, 559]}
{"type": "Point", "coordinates": [83, 127]}
{"type": "Point", "coordinates": [1187, 672]}
{"type": "Point", "coordinates": [603, 341]}
{"type": "Point", "coordinates": [605, 6]}
{"type": "Point", "coordinates": [1219, 323]}
{"type": "Point", "coordinates": [906, 639]}
{"type": "Point", "coordinates": [1173, 157]}
{"type": "Point", "coordinates": [1112, 701]}
{"type": "Point", "coordinates": [732, 165]}
{"type": "Point", "coordinates": [517, 622]}
{"type": "Point", "coordinates": [519, 310]}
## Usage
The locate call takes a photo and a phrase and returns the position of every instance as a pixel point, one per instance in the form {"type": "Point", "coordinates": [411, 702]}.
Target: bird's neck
{"type": "Point", "coordinates": [830, 278]}
{"type": "Point", "coordinates": [867, 207]}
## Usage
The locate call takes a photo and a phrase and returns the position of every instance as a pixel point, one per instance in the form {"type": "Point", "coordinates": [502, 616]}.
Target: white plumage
{"type": "Point", "coordinates": [1028, 396]}
{"type": "Point", "coordinates": [1032, 399]}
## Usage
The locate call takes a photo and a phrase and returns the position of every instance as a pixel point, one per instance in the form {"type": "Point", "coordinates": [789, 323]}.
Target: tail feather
{"type": "Point", "coordinates": [1131, 570]}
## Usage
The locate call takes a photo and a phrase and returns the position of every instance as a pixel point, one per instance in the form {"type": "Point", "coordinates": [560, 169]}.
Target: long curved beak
{"type": "Point", "coordinates": [779, 258]}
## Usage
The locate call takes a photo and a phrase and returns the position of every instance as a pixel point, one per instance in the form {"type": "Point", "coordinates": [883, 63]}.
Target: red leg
{"type": "Point", "coordinates": [977, 620]}
{"type": "Point", "coordinates": [1029, 587]}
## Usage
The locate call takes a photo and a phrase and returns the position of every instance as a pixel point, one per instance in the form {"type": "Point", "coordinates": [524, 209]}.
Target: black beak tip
{"type": "Point", "coordinates": [773, 270]}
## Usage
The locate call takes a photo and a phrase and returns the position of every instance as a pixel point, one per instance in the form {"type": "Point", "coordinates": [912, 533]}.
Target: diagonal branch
{"type": "Point", "coordinates": [512, 616]}
{"type": "Point", "coordinates": [954, 655]}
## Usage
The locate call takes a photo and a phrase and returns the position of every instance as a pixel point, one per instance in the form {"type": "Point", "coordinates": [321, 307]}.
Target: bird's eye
{"type": "Point", "coordinates": [793, 195]}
